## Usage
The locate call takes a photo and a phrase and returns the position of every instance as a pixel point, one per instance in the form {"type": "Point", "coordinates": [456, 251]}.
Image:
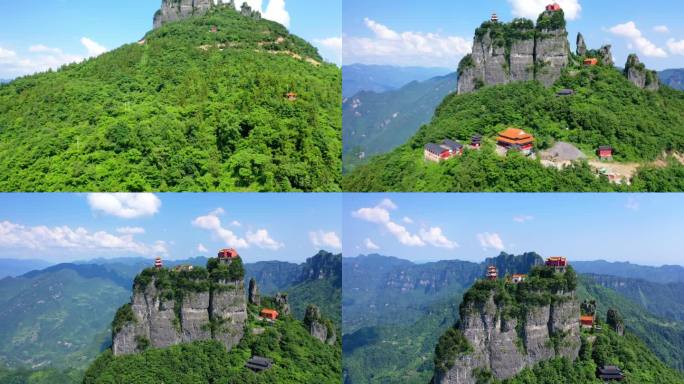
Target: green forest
{"type": "Point", "coordinates": [607, 109]}
{"type": "Point", "coordinates": [297, 358]}
{"type": "Point", "coordinates": [187, 109]}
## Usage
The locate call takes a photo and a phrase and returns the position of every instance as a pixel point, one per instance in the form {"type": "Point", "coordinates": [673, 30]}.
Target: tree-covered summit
{"type": "Point", "coordinates": [219, 102]}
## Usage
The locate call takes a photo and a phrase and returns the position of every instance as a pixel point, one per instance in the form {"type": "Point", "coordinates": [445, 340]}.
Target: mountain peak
{"type": "Point", "coordinates": [174, 10]}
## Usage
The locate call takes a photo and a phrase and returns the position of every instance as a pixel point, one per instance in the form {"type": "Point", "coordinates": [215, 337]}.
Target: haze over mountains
{"type": "Point", "coordinates": [391, 301]}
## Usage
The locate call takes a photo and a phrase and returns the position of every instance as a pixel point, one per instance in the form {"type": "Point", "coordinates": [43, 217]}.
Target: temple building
{"type": "Point", "coordinates": [476, 141]}
{"type": "Point", "coordinates": [227, 255]}
{"type": "Point", "coordinates": [558, 263]}
{"type": "Point", "coordinates": [445, 151]}
{"type": "Point", "coordinates": [609, 373]}
{"type": "Point", "coordinates": [518, 278]}
{"type": "Point", "coordinates": [555, 7]}
{"type": "Point", "coordinates": [591, 62]}
{"type": "Point", "coordinates": [158, 263]}
{"type": "Point", "coordinates": [605, 152]}
{"type": "Point", "coordinates": [492, 273]}
{"type": "Point", "coordinates": [270, 314]}
{"type": "Point", "coordinates": [258, 363]}
{"type": "Point", "coordinates": [517, 140]}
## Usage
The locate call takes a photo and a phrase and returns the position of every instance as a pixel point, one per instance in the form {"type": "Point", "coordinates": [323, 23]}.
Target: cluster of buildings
{"type": "Point", "coordinates": [449, 149]}
{"type": "Point", "coordinates": [559, 264]}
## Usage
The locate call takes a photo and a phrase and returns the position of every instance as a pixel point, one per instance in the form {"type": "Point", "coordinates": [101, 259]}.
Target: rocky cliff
{"type": "Point", "coordinates": [318, 327]}
{"type": "Point", "coordinates": [516, 51]}
{"type": "Point", "coordinates": [505, 327]}
{"type": "Point", "coordinates": [172, 307]}
{"type": "Point", "coordinates": [637, 73]}
{"type": "Point", "coordinates": [174, 10]}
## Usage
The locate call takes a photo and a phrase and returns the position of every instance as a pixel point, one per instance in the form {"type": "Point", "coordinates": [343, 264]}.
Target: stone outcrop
{"type": "Point", "coordinates": [637, 73]}
{"type": "Point", "coordinates": [159, 320]}
{"type": "Point", "coordinates": [281, 304]}
{"type": "Point", "coordinates": [253, 293]}
{"type": "Point", "coordinates": [581, 45]}
{"type": "Point", "coordinates": [505, 345]}
{"type": "Point", "coordinates": [605, 53]}
{"type": "Point", "coordinates": [317, 326]}
{"type": "Point", "coordinates": [174, 10]}
{"type": "Point", "coordinates": [517, 51]}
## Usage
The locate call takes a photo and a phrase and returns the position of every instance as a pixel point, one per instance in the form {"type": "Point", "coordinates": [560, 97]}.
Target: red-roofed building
{"type": "Point", "coordinates": [553, 7]}
{"type": "Point", "coordinates": [158, 263]}
{"type": "Point", "coordinates": [587, 321]}
{"type": "Point", "coordinates": [492, 273]}
{"type": "Point", "coordinates": [517, 140]}
{"type": "Point", "coordinates": [227, 255]}
{"type": "Point", "coordinates": [270, 314]}
{"type": "Point", "coordinates": [605, 152]}
{"type": "Point", "coordinates": [518, 278]}
{"type": "Point", "coordinates": [591, 61]}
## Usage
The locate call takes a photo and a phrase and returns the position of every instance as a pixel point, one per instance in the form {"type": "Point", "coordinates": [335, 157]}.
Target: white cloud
{"type": "Point", "coordinates": [436, 238]}
{"type": "Point", "coordinates": [276, 11]}
{"type": "Point", "coordinates": [490, 240]}
{"type": "Point", "coordinates": [125, 205]}
{"type": "Point", "coordinates": [236, 223]}
{"type": "Point", "coordinates": [532, 8]}
{"type": "Point", "coordinates": [331, 48]}
{"type": "Point", "coordinates": [676, 47]}
{"type": "Point", "coordinates": [43, 238]}
{"type": "Point", "coordinates": [661, 29]}
{"type": "Point", "coordinates": [259, 238]}
{"type": "Point", "coordinates": [40, 48]}
{"type": "Point", "coordinates": [262, 239]}
{"type": "Point", "coordinates": [325, 239]}
{"type": "Point", "coordinates": [201, 248]}
{"type": "Point", "coordinates": [40, 58]}
{"type": "Point", "coordinates": [131, 230]}
{"type": "Point", "coordinates": [404, 48]}
{"type": "Point", "coordinates": [212, 223]}
{"type": "Point", "coordinates": [380, 215]}
{"type": "Point", "coordinates": [6, 54]}
{"type": "Point", "coordinates": [369, 244]}
{"type": "Point", "coordinates": [632, 204]}
{"type": "Point", "coordinates": [523, 218]}
{"type": "Point", "coordinates": [644, 46]}
{"type": "Point", "coordinates": [407, 220]}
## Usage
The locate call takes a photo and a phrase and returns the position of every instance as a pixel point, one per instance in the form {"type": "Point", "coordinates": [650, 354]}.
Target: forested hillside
{"type": "Point", "coordinates": [642, 126]}
{"type": "Point", "coordinates": [185, 109]}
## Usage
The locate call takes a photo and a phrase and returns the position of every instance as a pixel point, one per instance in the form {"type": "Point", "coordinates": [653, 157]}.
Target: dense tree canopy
{"type": "Point", "coordinates": [187, 110]}
{"type": "Point", "coordinates": [606, 110]}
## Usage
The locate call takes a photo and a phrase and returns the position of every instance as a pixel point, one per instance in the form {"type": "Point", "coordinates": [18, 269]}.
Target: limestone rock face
{"type": "Point", "coordinates": [581, 45]}
{"type": "Point", "coordinates": [317, 329]}
{"type": "Point", "coordinates": [523, 54]}
{"type": "Point", "coordinates": [281, 303]}
{"type": "Point", "coordinates": [606, 55]}
{"type": "Point", "coordinates": [229, 312]}
{"type": "Point", "coordinates": [637, 73]}
{"type": "Point", "coordinates": [174, 10]}
{"type": "Point", "coordinates": [552, 55]}
{"type": "Point", "coordinates": [157, 321]}
{"type": "Point", "coordinates": [253, 293]}
{"type": "Point", "coordinates": [499, 348]}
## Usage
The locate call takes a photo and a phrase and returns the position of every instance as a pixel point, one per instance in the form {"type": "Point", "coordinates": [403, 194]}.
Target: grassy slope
{"type": "Point", "coordinates": [179, 113]}
{"type": "Point", "coordinates": [607, 110]}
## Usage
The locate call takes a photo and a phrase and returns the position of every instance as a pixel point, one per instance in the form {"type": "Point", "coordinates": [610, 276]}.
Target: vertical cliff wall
{"type": "Point", "coordinates": [168, 308]}
{"type": "Point", "coordinates": [504, 334]}
{"type": "Point", "coordinates": [173, 10]}
{"type": "Point", "coordinates": [516, 51]}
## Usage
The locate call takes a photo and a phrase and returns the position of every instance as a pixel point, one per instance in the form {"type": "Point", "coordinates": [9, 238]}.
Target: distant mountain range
{"type": "Point", "coordinates": [390, 301]}
{"type": "Point", "coordinates": [376, 123]}
{"type": "Point", "coordinates": [673, 78]}
{"type": "Point", "coordinates": [382, 78]}
{"type": "Point", "coordinates": [16, 267]}
{"type": "Point", "coordinates": [60, 316]}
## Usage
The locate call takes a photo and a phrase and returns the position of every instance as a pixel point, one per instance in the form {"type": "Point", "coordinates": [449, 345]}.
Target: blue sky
{"type": "Point", "coordinates": [37, 34]}
{"type": "Point", "coordinates": [640, 228]}
{"type": "Point", "coordinates": [439, 32]}
{"type": "Point", "coordinates": [66, 227]}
